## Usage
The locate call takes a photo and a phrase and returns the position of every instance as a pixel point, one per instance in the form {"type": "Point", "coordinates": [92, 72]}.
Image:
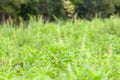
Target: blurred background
{"type": "Point", "coordinates": [61, 9]}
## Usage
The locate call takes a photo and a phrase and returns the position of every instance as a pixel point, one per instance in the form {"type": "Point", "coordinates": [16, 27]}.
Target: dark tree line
{"type": "Point", "coordinates": [49, 8]}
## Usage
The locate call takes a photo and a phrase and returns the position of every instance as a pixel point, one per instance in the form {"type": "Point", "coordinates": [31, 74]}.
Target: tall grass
{"type": "Point", "coordinates": [84, 50]}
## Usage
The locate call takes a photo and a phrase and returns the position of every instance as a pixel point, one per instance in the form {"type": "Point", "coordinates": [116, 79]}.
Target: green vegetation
{"type": "Point", "coordinates": [84, 50]}
{"type": "Point", "coordinates": [59, 8]}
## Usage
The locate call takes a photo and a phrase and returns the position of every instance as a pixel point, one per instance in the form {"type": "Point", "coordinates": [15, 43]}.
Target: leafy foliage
{"type": "Point", "coordinates": [82, 50]}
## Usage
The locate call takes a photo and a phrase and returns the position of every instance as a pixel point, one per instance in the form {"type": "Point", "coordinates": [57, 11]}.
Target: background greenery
{"type": "Point", "coordinates": [47, 8]}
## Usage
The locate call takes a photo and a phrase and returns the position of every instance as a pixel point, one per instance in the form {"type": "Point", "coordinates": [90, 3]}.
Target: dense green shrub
{"type": "Point", "coordinates": [50, 8]}
{"type": "Point", "coordinates": [91, 8]}
{"type": "Point", "coordinates": [11, 8]}
{"type": "Point", "coordinates": [24, 8]}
